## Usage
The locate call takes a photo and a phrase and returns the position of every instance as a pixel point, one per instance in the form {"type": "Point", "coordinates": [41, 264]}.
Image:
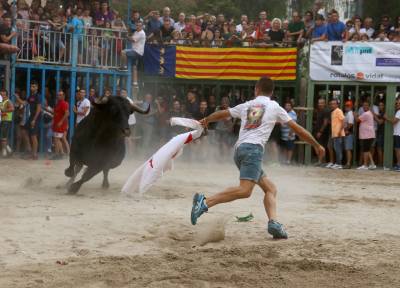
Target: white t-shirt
{"type": "Point", "coordinates": [81, 105]}
{"type": "Point", "coordinates": [349, 118]}
{"type": "Point", "coordinates": [132, 118]}
{"type": "Point", "coordinates": [139, 41]}
{"type": "Point", "coordinates": [370, 31]}
{"type": "Point", "coordinates": [396, 127]}
{"type": "Point", "coordinates": [178, 26]}
{"type": "Point", "coordinates": [239, 28]}
{"type": "Point", "coordinates": [258, 119]}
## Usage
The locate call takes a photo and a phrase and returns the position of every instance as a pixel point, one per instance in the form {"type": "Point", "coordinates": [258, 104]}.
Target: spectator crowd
{"type": "Point", "coordinates": [339, 131]}
{"type": "Point", "coordinates": [98, 18]}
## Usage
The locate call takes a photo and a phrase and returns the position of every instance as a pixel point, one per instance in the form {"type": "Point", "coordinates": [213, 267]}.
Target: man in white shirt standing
{"type": "Point", "coordinates": [82, 107]}
{"type": "Point", "coordinates": [258, 118]}
{"type": "Point", "coordinates": [138, 40]}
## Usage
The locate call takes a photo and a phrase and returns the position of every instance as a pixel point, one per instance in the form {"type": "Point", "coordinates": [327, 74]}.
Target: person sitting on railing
{"type": "Point", "coordinates": [319, 32]}
{"type": "Point", "coordinates": [104, 15]}
{"type": "Point", "coordinates": [138, 40]}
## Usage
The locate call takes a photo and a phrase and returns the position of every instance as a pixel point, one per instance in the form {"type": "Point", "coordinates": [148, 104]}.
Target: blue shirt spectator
{"type": "Point", "coordinates": [335, 28]}
{"type": "Point", "coordinates": [319, 31]}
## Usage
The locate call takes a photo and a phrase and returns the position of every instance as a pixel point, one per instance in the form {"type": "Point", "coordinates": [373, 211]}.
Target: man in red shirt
{"type": "Point", "coordinates": [60, 125]}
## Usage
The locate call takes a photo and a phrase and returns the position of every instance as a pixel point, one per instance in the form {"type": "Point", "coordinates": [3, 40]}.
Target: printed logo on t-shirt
{"type": "Point", "coordinates": [254, 116]}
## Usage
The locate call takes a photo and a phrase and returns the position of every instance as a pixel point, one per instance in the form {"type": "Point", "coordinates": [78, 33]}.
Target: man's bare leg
{"type": "Point", "coordinates": [270, 191]}
{"type": "Point", "coordinates": [244, 190]}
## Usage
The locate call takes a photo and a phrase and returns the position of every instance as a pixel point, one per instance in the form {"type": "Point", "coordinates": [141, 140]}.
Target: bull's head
{"type": "Point", "coordinates": [118, 109]}
{"type": "Point", "coordinates": [134, 107]}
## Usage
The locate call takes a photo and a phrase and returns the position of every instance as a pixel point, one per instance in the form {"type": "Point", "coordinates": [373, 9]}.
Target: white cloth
{"type": "Point", "coordinates": [139, 39]}
{"type": "Point", "coordinates": [349, 119]}
{"type": "Point", "coordinates": [153, 169]}
{"type": "Point", "coordinates": [258, 119]}
{"type": "Point", "coordinates": [178, 26]}
{"type": "Point", "coordinates": [132, 118]}
{"type": "Point", "coordinates": [396, 127]}
{"type": "Point", "coordinates": [81, 105]}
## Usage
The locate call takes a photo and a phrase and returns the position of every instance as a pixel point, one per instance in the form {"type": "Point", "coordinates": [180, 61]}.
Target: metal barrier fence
{"type": "Point", "coordinates": [95, 47]}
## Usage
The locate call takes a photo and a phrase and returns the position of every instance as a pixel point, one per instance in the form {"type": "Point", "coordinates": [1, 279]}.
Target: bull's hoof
{"type": "Point", "coordinates": [105, 185]}
{"type": "Point", "coordinates": [74, 188]}
{"type": "Point", "coordinates": [69, 172]}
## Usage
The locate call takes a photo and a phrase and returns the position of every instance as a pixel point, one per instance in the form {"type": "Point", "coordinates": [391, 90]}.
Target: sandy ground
{"type": "Point", "coordinates": [343, 226]}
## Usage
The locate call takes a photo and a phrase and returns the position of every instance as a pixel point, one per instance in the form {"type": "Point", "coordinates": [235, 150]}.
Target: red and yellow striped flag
{"type": "Point", "coordinates": [235, 63]}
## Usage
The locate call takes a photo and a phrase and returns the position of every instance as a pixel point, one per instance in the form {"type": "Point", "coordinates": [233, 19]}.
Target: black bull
{"type": "Point", "coordinates": [99, 140]}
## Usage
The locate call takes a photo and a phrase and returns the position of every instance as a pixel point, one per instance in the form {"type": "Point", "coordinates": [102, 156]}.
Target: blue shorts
{"type": "Point", "coordinates": [133, 56]}
{"type": "Point", "coordinates": [349, 142]}
{"type": "Point", "coordinates": [288, 144]}
{"type": "Point", "coordinates": [248, 158]}
{"type": "Point", "coordinates": [396, 142]}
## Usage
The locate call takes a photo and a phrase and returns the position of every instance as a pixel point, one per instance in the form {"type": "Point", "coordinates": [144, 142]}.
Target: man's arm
{"type": "Point", "coordinates": [307, 137]}
{"type": "Point", "coordinates": [214, 117]}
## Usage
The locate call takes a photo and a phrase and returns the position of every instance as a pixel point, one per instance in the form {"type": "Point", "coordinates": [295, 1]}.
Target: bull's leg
{"type": "Point", "coordinates": [76, 170]}
{"type": "Point", "coordinates": [106, 184]}
{"type": "Point", "coordinates": [87, 175]}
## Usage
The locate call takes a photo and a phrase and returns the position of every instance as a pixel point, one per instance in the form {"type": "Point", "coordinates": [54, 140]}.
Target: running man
{"type": "Point", "coordinates": [258, 119]}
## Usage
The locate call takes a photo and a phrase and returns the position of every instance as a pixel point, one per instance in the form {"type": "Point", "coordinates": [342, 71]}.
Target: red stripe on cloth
{"type": "Point", "coordinates": [229, 60]}
{"type": "Point", "coordinates": [236, 53]}
{"type": "Point", "coordinates": [263, 68]}
{"type": "Point", "coordinates": [235, 74]}
{"type": "Point", "coordinates": [189, 139]}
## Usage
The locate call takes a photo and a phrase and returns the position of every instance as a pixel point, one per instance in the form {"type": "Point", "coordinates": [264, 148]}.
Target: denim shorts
{"type": "Point", "coordinates": [348, 142]}
{"type": "Point", "coordinates": [248, 158]}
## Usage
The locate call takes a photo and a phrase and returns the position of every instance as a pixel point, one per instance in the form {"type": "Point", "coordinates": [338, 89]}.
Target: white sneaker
{"type": "Point", "coordinates": [337, 167]}
{"type": "Point", "coordinates": [329, 165]}
{"type": "Point", "coordinates": [363, 167]}
{"type": "Point", "coordinates": [9, 150]}
{"type": "Point", "coordinates": [372, 167]}
{"type": "Point", "coordinates": [4, 152]}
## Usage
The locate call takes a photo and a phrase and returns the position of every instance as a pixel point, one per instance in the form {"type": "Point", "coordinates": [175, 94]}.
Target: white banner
{"type": "Point", "coordinates": [355, 61]}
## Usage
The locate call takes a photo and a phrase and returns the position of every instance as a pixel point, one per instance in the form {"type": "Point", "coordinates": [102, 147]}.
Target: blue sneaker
{"type": "Point", "coordinates": [396, 168]}
{"type": "Point", "coordinates": [199, 207]}
{"type": "Point", "coordinates": [276, 230]}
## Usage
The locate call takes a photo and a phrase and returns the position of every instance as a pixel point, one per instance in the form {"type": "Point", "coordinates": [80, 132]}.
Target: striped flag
{"type": "Point", "coordinates": [235, 63]}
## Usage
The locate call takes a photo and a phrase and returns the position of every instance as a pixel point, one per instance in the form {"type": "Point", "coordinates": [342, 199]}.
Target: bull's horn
{"type": "Point", "coordinates": [101, 100]}
{"type": "Point", "coordinates": [140, 110]}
